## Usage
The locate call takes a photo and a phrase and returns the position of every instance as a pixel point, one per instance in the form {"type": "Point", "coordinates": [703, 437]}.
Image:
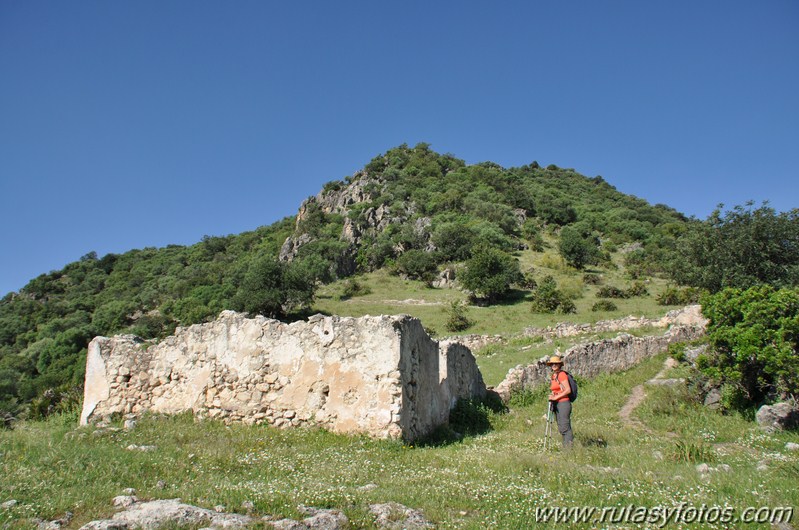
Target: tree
{"type": "Point", "coordinates": [418, 265]}
{"type": "Point", "coordinates": [490, 273]}
{"type": "Point", "coordinates": [578, 247]}
{"type": "Point", "coordinates": [273, 288]}
{"type": "Point", "coordinates": [740, 248]}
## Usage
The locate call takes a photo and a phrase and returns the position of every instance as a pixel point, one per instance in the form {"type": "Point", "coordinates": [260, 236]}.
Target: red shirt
{"type": "Point", "coordinates": [557, 385]}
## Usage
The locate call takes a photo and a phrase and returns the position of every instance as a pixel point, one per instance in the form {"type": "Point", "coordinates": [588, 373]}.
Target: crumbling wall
{"type": "Point", "coordinates": [378, 375]}
{"type": "Point", "coordinates": [603, 356]}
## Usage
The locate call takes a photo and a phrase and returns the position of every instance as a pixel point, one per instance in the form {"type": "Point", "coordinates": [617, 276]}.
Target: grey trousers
{"type": "Point", "coordinates": [563, 413]}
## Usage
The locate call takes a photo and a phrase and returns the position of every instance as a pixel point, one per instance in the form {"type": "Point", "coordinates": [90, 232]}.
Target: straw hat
{"type": "Point", "coordinates": [555, 359]}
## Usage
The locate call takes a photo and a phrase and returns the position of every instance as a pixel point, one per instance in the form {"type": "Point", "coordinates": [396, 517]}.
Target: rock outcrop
{"type": "Point", "coordinates": [378, 375]}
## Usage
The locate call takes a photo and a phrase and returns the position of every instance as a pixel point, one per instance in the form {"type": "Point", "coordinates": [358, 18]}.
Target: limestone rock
{"type": "Point", "coordinates": [123, 501]}
{"type": "Point", "coordinates": [713, 399]}
{"type": "Point", "coordinates": [9, 504]}
{"type": "Point", "coordinates": [778, 417]}
{"type": "Point", "coordinates": [791, 446]}
{"type": "Point", "coordinates": [318, 519]}
{"type": "Point", "coordinates": [396, 516]}
{"type": "Point", "coordinates": [155, 514]}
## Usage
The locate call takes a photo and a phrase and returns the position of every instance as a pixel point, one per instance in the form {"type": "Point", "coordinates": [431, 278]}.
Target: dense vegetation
{"type": "Point", "coordinates": [740, 248]}
{"type": "Point", "coordinates": [755, 338]}
{"type": "Point", "coordinates": [415, 213]}
{"type": "Point", "coordinates": [45, 328]}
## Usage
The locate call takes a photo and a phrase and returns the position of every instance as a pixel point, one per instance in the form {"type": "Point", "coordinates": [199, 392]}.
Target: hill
{"type": "Point", "coordinates": [410, 212]}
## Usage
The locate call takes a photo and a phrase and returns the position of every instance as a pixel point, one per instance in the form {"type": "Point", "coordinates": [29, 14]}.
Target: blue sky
{"type": "Point", "coordinates": [133, 124]}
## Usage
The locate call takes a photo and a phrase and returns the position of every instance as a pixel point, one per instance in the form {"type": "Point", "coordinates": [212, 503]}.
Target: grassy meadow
{"type": "Point", "coordinates": [496, 478]}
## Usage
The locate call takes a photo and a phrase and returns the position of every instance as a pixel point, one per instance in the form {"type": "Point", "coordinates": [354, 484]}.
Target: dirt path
{"type": "Point", "coordinates": [638, 395]}
{"type": "Point", "coordinates": [625, 414]}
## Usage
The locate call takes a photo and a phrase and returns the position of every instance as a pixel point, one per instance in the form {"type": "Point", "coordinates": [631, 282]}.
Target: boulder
{"type": "Point", "coordinates": [778, 417]}
{"type": "Point", "coordinates": [713, 399]}
{"type": "Point", "coordinates": [396, 516]}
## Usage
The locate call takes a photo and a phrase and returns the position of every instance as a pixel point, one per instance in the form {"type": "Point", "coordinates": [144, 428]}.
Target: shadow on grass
{"type": "Point", "coordinates": [469, 417]}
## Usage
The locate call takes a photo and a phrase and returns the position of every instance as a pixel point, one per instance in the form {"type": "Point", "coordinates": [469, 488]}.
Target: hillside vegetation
{"type": "Point", "coordinates": [523, 242]}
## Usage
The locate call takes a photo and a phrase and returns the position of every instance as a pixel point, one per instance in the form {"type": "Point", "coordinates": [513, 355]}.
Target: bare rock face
{"type": "Point", "coordinates": [339, 199]}
{"type": "Point", "coordinates": [378, 375]}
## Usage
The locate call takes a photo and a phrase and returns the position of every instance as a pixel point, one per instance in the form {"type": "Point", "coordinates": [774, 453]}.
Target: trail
{"type": "Point", "coordinates": [638, 395]}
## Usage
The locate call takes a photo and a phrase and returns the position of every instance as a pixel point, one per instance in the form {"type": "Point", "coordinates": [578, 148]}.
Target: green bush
{"type": "Point", "coordinates": [417, 265]}
{"type": "Point", "coordinates": [353, 288]}
{"type": "Point", "coordinates": [604, 305]}
{"type": "Point", "coordinates": [754, 334]}
{"type": "Point", "coordinates": [457, 319]}
{"type": "Point", "coordinates": [676, 296]}
{"type": "Point", "coordinates": [590, 278]}
{"type": "Point", "coordinates": [610, 291]}
{"type": "Point", "coordinates": [637, 289]}
{"type": "Point", "coordinates": [489, 273]}
{"type": "Point", "coordinates": [547, 298]}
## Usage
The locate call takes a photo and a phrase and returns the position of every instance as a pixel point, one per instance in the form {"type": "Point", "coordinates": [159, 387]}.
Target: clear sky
{"type": "Point", "coordinates": [130, 124]}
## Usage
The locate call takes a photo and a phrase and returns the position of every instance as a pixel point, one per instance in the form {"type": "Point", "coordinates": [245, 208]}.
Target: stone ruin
{"type": "Point", "coordinates": [383, 375]}
{"type": "Point", "coordinates": [608, 355]}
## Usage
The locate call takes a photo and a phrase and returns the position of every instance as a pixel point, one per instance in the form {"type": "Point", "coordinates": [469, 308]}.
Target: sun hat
{"type": "Point", "coordinates": [555, 359]}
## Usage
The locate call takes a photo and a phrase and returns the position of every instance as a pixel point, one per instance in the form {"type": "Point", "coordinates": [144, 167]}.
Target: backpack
{"type": "Point", "coordinates": [572, 386]}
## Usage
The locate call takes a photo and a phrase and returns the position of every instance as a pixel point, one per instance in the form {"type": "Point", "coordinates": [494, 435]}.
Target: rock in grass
{"type": "Point", "coordinates": [322, 519]}
{"type": "Point", "coordinates": [123, 501]}
{"type": "Point", "coordinates": [791, 446]}
{"type": "Point", "coordinates": [142, 448]}
{"type": "Point", "coordinates": [702, 469]}
{"type": "Point", "coordinates": [778, 417]}
{"type": "Point", "coordinates": [156, 514]}
{"type": "Point", "coordinates": [395, 516]}
{"type": "Point", "coordinates": [9, 504]}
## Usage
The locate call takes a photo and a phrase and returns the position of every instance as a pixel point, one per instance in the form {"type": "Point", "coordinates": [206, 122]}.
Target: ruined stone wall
{"type": "Point", "coordinates": [687, 316]}
{"type": "Point", "coordinates": [593, 358]}
{"type": "Point", "coordinates": [378, 375]}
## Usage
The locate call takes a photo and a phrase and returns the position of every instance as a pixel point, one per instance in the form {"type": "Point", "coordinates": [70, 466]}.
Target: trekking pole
{"type": "Point", "coordinates": [548, 429]}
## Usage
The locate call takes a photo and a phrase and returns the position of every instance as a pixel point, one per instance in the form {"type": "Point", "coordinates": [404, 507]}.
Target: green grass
{"type": "Point", "coordinates": [496, 479]}
{"type": "Point", "coordinates": [393, 295]}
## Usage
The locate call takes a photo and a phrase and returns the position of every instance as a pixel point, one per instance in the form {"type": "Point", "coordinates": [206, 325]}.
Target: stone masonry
{"type": "Point", "coordinates": [609, 355]}
{"type": "Point", "coordinates": [378, 375]}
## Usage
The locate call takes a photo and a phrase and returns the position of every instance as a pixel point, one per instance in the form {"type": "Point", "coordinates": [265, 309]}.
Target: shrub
{"type": "Point", "coordinates": [604, 305]}
{"type": "Point", "coordinates": [418, 265]}
{"type": "Point", "coordinates": [589, 278]}
{"type": "Point", "coordinates": [609, 291]}
{"type": "Point", "coordinates": [353, 287]}
{"type": "Point", "coordinates": [676, 296]}
{"type": "Point", "coordinates": [754, 335]}
{"type": "Point", "coordinates": [528, 281]}
{"type": "Point", "coordinates": [637, 289]}
{"type": "Point", "coordinates": [457, 320]}
{"type": "Point", "coordinates": [547, 298]}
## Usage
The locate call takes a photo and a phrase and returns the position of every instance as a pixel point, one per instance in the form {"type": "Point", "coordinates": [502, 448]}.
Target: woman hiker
{"type": "Point", "coordinates": [559, 399]}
